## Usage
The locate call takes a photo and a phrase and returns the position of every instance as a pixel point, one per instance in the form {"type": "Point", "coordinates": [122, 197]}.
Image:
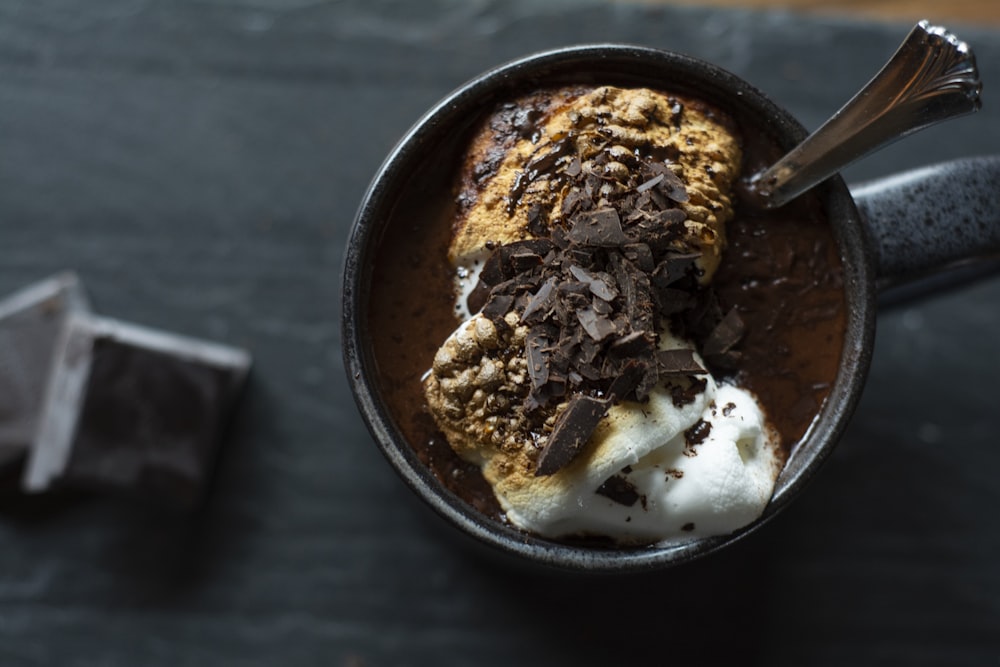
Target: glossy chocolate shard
{"type": "Point", "coordinates": [571, 432]}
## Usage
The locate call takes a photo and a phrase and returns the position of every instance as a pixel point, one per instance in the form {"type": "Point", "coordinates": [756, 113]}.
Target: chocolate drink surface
{"type": "Point", "coordinates": [779, 271]}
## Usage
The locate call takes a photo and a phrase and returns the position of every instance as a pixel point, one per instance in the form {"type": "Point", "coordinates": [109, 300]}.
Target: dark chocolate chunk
{"type": "Point", "coordinates": [683, 393]}
{"type": "Point", "coordinates": [524, 260]}
{"type": "Point", "coordinates": [600, 228]}
{"type": "Point", "coordinates": [575, 200]}
{"type": "Point", "coordinates": [673, 267]}
{"type": "Point", "coordinates": [596, 325]}
{"type": "Point", "coordinates": [650, 183]}
{"type": "Point", "coordinates": [697, 433]}
{"type": "Point", "coordinates": [725, 335]}
{"type": "Point", "coordinates": [571, 432]}
{"type": "Point", "coordinates": [477, 297]}
{"type": "Point", "coordinates": [147, 419]}
{"type": "Point", "coordinates": [597, 284]}
{"type": "Point", "coordinates": [619, 490]}
{"type": "Point", "coordinates": [650, 379]}
{"type": "Point", "coordinates": [640, 255]}
{"type": "Point", "coordinates": [492, 272]}
{"type": "Point", "coordinates": [634, 344]}
{"type": "Point", "coordinates": [536, 224]}
{"type": "Point", "coordinates": [540, 302]}
{"type": "Point", "coordinates": [497, 307]}
{"type": "Point", "coordinates": [671, 185]}
{"type": "Point", "coordinates": [678, 362]}
{"type": "Point", "coordinates": [538, 365]}
{"type": "Point", "coordinates": [623, 385]}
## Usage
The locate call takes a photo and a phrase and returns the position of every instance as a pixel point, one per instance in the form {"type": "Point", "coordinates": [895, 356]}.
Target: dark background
{"type": "Point", "coordinates": [199, 164]}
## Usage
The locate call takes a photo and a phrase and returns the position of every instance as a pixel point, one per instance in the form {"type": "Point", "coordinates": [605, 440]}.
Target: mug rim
{"type": "Point", "coordinates": [604, 62]}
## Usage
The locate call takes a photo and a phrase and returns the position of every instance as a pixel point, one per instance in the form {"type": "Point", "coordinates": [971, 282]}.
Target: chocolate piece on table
{"type": "Point", "coordinates": [572, 430]}
{"type": "Point", "coordinates": [135, 410]}
{"type": "Point", "coordinates": [31, 321]}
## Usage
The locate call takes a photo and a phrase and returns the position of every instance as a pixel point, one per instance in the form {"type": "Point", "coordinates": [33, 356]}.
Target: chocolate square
{"type": "Point", "coordinates": [31, 321]}
{"type": "Point", "coordinates": [135, 410]}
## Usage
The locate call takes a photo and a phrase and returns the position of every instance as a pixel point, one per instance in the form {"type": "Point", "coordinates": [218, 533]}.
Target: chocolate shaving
{"type": "Point", "coordinates": [674, 267]}
{"type": "Point", "coordinates": [671, 185]}
{"type": "Point", "coordinates": [541, 301]}
{"type": "Point", "coordinates": [538, 366]}
{"type": "Point", "coordinates": [497, 307]}
{"type": "Point", "coordinates": [678, 362]}
{"type": "Point", "coordinates": [685, 393]}
{"type": "Point", "coordinates": [640, 255]}
{"type": "Point", "coordinates": [618, 489]}
{"type": "Point", "coordinates": [536, 224]}
{"type": "Point", "coordinates": [656, 180]}
{"type": "Point", "coordinates": [596, 325]}
{"type": "Point", "coordinates": [624, 384]}
{"type": "Point", "coordinates": [635, 344]}
{"type": "Point", "coordinates": [725, 336]}
{"type": "Point", "coordinates": [600, 287]}
{"type": "Point", "coordinates": [571, 431]}
{"type": "Point", "coordinates": [606, 270]}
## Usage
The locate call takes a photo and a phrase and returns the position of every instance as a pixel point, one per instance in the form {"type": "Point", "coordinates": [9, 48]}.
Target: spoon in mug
{"type": "Point", "coordinates": [932, 77]}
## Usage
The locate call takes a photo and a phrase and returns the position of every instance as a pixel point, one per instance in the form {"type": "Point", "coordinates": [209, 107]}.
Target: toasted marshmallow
{"type": "Point", "coordinates": [681, 487]}
{"type": "Point", "coordinates": [696, 458]}
{"type": "Point", "coordinates": [701, 146]}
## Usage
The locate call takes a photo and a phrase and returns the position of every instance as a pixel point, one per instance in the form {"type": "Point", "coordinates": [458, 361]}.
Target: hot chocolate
{"type": "Point", "coordinates": [776, 291]}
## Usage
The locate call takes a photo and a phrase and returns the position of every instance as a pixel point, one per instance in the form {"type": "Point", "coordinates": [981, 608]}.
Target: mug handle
{"type": "Point", "coordinates": [934, 227]}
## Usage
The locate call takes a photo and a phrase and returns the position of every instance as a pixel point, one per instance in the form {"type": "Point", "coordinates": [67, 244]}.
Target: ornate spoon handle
{"type": "Point", "coordinates": [930, 78]}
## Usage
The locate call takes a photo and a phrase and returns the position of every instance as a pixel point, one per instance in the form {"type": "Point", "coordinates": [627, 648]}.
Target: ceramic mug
{"type": "Point", "coordinates": [888, 233]}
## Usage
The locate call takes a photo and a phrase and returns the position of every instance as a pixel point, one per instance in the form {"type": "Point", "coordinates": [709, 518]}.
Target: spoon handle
{"type": "Point", "coordinates": [930, 78]}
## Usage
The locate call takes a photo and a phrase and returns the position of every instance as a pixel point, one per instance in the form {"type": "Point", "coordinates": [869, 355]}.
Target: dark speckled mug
{"type": "Point", "coordinates": [888, 233]}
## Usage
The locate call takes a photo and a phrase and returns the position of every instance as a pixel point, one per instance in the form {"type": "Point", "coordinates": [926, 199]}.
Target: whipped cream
{"type": "Point", "coordinates": [678, 485]}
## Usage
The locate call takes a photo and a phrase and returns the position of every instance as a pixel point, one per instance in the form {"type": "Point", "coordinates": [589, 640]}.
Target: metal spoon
{"type": "Point", "coordinates": [932, 77]}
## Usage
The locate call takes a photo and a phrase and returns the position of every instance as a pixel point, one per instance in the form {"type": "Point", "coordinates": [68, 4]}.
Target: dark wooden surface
{"type": "Point", "coordinates": [199, 164]}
